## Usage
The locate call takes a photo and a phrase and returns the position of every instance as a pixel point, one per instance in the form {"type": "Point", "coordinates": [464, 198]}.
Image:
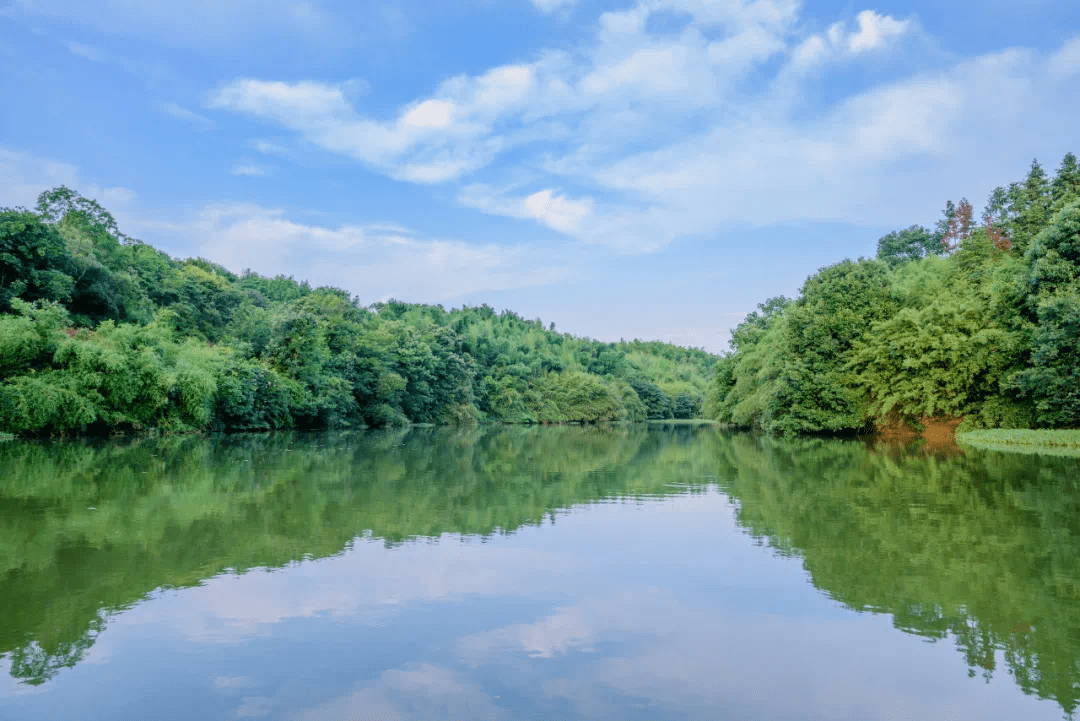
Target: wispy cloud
{"type": "Point", "coordinates": [90, 53]}
{"type": "Point", "coordinates": [250, 170]}
{"type": "Point", "coordinates": [413, 692]}
{"type": "Point", "coordinates": [550, 6]}
{"type": "Point", "coordinates": [268, 147]}
{"type": "Point", "coordinates": [190, 116]}
{"type": "Point", "coordinates": [23, 176]}
{"type": "Point", "coordinates": [375, 261]}
{"type": "Point", "coordinates": [646, 135]}
{"type": "Point", "coordinates": [548, 207]}
{"type": "Point", "coordinates": [220, 24]}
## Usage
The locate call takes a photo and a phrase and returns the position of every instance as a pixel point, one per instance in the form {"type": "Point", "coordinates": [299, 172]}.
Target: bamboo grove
{"type": "Point", "coordinates": [103, 333]}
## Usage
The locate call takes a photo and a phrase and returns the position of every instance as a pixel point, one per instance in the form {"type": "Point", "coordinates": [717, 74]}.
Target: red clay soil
{"type": "Point", "coordinates": [940, 430]}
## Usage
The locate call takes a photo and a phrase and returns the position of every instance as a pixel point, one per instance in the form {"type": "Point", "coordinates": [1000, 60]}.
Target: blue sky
{"type": "Point", "coordinates": [646, 169]}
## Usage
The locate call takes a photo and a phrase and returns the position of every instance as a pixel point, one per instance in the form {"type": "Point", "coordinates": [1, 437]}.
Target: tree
{"type": "Point", "coordinates": [957, 225]}
{"type": "Point", "coordinates": [64, 204]}
{"type": "Point", "coordinates": [1065, 187]}
{"type": "Point", "coordinates": [943, 359]}
{"type": "Point", "coordinates": [1030, 206]}
{"type": "Point", "coordinates": [32, 254]}
{"type": "Point", "coordinates": [837, 307]}
{"type": "Point", "coordinates": [657, 403]}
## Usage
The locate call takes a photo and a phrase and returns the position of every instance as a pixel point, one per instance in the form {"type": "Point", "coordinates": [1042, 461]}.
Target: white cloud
{"type": "Point", "coordinates": [434, 140]}
{"type": "Point", "coordinates": [1066, 61]}
{"type": "Point", "coordinates": [720, 122]}
{"type": "Point", "coordinates": [556, 211]}
{"type": "Point", "coordinates": [150, 71]}
{"type": "Point", "coordinates": [469, 120]}
{"type": "Point", "coordinates": [888, 154]}
{"type": "Point", "coordinates": [874, 31]}
{"type": "Point", "coordinates": [225, 683]}
{"type": "Point", "coordinates": [548, 207]}
{"type": "Point", "coordinates": [436, 114]}
{"type": "Point", "coordinates": [658, 124]}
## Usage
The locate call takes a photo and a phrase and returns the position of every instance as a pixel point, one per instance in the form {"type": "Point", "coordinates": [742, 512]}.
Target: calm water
{"type": "Point", "coordinates": [555, 573]}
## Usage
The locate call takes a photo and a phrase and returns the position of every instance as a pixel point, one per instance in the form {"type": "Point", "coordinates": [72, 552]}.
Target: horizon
{"type": "Point", "coordinates": [648, 170]}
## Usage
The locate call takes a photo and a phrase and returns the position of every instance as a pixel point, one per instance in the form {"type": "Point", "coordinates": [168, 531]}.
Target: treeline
{"type": "Point", "coordinates": [101, 332]}
{"type": "Point", "coordinates": [977, 319]}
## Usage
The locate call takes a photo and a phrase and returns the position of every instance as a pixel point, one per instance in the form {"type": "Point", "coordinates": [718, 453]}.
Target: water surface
{"type": "Point", "coordinates": [634, 572]}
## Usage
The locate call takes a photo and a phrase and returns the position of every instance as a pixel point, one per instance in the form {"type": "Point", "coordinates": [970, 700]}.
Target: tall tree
{"type": "Point", "coordinates": [1065, 187]}
{"type": "Point", "coordinates": [1030, 206]}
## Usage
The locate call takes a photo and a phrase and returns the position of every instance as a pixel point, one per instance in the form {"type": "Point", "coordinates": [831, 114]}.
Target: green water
{"type": "Point", "coordinates": [636, 572]}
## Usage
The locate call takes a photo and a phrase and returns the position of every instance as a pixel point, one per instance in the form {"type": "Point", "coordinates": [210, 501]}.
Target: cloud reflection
{"type": "Point", "coordinates": [423, 691]}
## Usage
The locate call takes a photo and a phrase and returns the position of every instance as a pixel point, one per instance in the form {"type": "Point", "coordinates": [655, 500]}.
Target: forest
{"type": "Point", "coordinates": [102, 333]}
{"type": "Point", "coordinates": [974, 320]}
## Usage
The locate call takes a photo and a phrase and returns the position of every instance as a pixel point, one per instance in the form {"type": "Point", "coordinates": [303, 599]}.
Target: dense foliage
{"type": "Point", "coordinates": [973, 320]}
{"type": "Point", "coordinates": [101, 332]}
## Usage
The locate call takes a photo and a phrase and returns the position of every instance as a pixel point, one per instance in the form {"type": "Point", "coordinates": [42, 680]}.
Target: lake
{"type": "Point", "coordinates": [626, 572]}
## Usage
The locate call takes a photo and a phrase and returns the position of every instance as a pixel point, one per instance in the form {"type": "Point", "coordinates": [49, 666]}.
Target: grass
{"type": "Point", "coordinates": [1043, 441]}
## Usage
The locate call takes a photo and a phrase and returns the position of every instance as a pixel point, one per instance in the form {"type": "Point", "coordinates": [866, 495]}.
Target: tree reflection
{"type": "Point", "coordinates": [980, 548]}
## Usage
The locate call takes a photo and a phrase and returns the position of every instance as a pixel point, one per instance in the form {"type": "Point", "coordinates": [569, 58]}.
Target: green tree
{"type": "Point", "coordinates": [836, 309]}
{"type": "Point", "coordinates": [1030, 206]}
{"type": "Point", "coordinates": [31, 255]}
{"type": "Point", "coordinates": [1065, 188]}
